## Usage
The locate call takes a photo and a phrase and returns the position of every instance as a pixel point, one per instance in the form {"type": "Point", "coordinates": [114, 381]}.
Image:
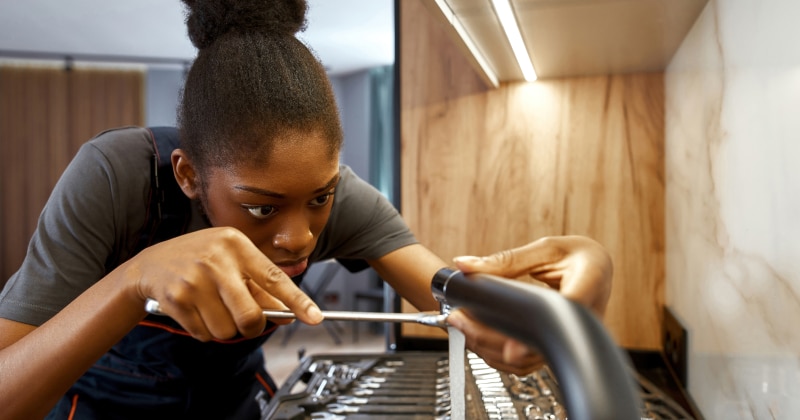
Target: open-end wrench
{"type": "Point", "coordinates": [404, 379]}
{"type": "Point", "coordinates": [438, 361]}
{"type": "Point", "coordinates": [401, 385]}
{"type": "Point", "coordinates": [331, 416]}
{"type": "Point", "coordinates": [411, 371]}
{"type": "Point", "coordinates": [353, 400]}
{"type": "Point", "coordinates": [360, 392]}
{"type": "Point", "coordinates": [423, 406]}
{"type": "Point", "coordinates": [385, 409]}
{"type": "Point", "coordinates": [433, 319]}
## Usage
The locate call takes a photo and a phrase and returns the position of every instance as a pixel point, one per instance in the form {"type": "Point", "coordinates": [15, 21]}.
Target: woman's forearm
{"type": "Point", "coordinates": [38, 368]}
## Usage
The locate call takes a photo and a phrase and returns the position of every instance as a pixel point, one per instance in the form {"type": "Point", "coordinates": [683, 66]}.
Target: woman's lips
{"type": "Point", "coordinates": [294, 269]}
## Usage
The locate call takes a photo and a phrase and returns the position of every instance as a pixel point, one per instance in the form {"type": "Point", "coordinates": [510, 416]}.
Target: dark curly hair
{"type": "Point", "coordinates": [252, 83]}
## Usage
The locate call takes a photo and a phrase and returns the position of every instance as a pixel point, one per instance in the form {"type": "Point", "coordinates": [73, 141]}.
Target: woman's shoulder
{"type": "Point", "coordinates": [122, 139]}
{"type": "Point", "coordinates": [118, 160]}
{"type": "Point", "coordinates": [123, 150]}
{"type": "Point", "coordinates": [351, 183]}
{"type": "Point", "coordinates": [357, 200]}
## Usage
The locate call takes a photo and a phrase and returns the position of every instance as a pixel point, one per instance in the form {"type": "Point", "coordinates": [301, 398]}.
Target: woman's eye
{"type": "Point", "coordinates": [322, 200]}
{"type": "Point", "coordinates": [261, 212]}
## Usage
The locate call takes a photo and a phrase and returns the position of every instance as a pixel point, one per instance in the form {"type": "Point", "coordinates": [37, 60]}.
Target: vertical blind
{"type": "Point", "coordinates": [46, 114]}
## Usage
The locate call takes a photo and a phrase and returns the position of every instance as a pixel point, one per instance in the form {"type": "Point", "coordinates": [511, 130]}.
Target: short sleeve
{"type": "Point", "coordinates": [363, 223]}
{"type": "Point", "coordinates": [80, 230]}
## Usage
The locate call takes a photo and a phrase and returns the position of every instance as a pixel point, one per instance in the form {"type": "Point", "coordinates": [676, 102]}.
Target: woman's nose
{"type": "Point", "coordinates": [294, 236]}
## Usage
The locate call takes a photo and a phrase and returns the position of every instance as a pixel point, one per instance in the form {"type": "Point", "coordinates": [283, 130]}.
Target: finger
{"type": "Point", "coordinates": [225, 307]}
{"type": "Point", "coordinates": [515, 351]}
{"type": "Point", "coordinates": [478, 337]}
{"type": "Point", "coordinates": [264, 299]}
{"type": "Point", "coordinates": [491, 345]}
{"type": "Point", "coordinates": [193, 324]}
{"type": "Point", "coordinates": [276, 283]}
{"type": "Point", "coordinates": [518, 367]}
{"type": "Point", "coordinates": [267, 301]}
{"type": "Point", "coordinates": [188, 318]}
{"type": "Point", "coordinates": [217, 319]}
{"type": "Point", "coordinates": [199, 309]}
{"type": "Point", "coordinates": [536, 256]}
{"type": "Point", "coordinates": [232, 305]}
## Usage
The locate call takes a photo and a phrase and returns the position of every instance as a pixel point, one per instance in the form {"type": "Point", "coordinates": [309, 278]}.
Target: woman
{"type": "Point", "coordinates": [258, 163]}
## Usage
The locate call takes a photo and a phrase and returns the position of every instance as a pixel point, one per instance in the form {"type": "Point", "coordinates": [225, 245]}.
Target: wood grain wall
{"type": "Point", "coordinates": [45, 115]}
{"type": "Point", "coordinates": [488, 169]}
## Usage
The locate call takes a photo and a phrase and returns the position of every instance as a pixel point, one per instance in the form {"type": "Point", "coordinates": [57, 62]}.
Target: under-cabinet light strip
{"type": "Point", "coordinates": [462, 32]}
{"type": "Point", "coordinates": [505, 14]}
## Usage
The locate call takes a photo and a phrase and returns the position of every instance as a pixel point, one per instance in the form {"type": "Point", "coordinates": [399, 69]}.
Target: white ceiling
{"type": "Point", "coordinates": [564, 37]}
{"type": "Point", "coordinates": [347, 35]}
{"type": "Point", "coordinates": [568, 38]}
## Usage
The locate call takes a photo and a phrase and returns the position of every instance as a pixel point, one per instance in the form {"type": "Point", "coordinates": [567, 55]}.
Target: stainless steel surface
{"type": "Point", "coordinates": [433, 319]}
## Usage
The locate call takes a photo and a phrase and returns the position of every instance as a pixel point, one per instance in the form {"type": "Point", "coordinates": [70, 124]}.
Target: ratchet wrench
{"type": "Point", "coordinates": [433, 319]}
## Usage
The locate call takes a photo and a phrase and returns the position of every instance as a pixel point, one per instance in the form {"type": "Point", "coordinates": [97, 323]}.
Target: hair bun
{"type": "Point", "coordinates": [207, 20]}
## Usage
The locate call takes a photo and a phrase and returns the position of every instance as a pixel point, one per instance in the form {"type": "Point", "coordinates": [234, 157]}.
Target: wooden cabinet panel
{"type": "Point", "coordinates": [484, 170]}
{"type": "Point", "coordinates": [46, 114]}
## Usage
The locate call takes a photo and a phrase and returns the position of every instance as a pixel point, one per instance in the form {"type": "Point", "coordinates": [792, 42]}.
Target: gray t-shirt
{"type": "Point", "coordinates": [94, 217]}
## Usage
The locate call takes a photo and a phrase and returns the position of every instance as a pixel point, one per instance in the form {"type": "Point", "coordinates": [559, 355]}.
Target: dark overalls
{"type": "Point", "coordinates": [158, 370]}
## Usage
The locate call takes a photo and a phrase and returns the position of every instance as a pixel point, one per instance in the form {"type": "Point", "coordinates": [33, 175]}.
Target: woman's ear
{"type": "Point", "coordinates": [185, 174]}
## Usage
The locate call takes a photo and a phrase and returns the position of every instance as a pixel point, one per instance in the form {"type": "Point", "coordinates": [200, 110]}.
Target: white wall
{"type": "Point", "coordinates": [353, 96]}
{"type": "Point", "coordinates": [733, 206]}
{"type": "Point", "coordinates": [162, 96]}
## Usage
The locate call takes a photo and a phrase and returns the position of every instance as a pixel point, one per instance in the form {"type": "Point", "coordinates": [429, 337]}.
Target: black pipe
{"type": "Point", "coordinates": [593, 373]}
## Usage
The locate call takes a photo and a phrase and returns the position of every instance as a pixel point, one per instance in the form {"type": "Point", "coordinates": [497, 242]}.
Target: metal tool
{"type": "Point", "coordinates": [331, 416]}
{"type": "Point", "coordinates": [353, 400]}
{"type": "Point", "coordinates": [433, 319]}
{"type": "Point", "coordinates": [401, 386]}
{"type": "Point", "coordinates": [378, 392]}
{"type": "Point", "coordinates": [410, 372]}
{"type": "Point", "coordinates": [415, 380]}
{"type": "Point", "coordinates": [385, 409]}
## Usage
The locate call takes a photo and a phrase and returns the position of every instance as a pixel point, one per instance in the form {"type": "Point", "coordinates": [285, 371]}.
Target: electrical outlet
{"type": "Point", "coordinates": [675, 345]}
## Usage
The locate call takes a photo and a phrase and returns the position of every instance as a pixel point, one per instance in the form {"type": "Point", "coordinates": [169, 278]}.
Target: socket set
{"type": "Point", "coordinates": [415, 386]}
{"type": "Point", "coordinates": [393, 386]}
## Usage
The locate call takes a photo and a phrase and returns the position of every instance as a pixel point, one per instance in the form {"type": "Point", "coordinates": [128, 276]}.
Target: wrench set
{"type": "Point", "coordinates": [408, 386]}
{"type": "Point", "coordinates": [394, 386]}
{"type": "Point", "coordinates": [414, 386]}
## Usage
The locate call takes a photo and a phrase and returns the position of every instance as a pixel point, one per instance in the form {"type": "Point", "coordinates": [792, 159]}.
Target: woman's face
{"type": "Point", "coordinates": [281, 206]}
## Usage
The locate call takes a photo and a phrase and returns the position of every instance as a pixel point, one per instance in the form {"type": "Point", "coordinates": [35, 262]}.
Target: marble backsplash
{"type": "Point", "coordinates": [733, 206]}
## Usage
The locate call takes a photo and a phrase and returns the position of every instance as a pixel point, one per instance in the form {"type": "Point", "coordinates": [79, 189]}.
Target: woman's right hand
{"type": "Point", "coordinates": [215, 284]}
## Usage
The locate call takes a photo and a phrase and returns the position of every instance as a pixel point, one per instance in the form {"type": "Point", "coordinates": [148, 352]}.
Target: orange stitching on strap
{"type": "Point", "coordinates": [266, 386]}
{"type": "Point", "coordinates": [155, 145]}
{"type": "Point", "coordinates": [74, 407]}
{"type": "Point", "coordinates": [182, 332]}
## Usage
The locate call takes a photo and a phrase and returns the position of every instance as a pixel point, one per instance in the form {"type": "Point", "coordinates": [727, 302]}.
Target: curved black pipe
{"type": "Point", "coordinates": [593, 373]}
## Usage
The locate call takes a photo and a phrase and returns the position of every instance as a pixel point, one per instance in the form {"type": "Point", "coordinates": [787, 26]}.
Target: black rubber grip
{"type": "Point", "coordinates": [593, 373]}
